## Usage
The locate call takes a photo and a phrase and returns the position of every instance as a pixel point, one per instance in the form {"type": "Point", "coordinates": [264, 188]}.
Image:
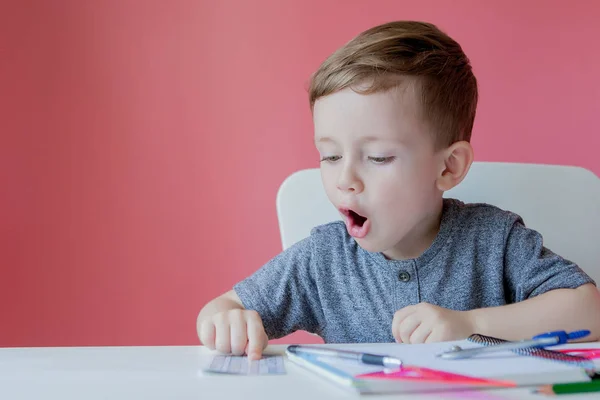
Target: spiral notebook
{"type": "Point", "coordinates": [423, 371]}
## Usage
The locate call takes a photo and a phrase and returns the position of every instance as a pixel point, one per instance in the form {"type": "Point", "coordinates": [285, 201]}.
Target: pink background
{"type": "Point", "coordinates": [143, 142]}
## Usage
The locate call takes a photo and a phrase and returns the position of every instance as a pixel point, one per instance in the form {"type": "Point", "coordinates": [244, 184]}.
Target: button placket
{"type": "Point", "coordinates": [406, 284]}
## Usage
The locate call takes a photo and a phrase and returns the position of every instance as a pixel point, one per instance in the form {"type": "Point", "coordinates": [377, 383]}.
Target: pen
{"type": "Point", "coordinates": [365, 358]}
{"type": "Point", "coordinates": [456, 352]}
{"type": "Point", "coordinates": [570, 388]}
{"type": "Point", "coordinates": [540, 341]}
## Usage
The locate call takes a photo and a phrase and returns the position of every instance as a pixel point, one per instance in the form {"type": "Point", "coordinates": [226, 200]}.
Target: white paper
{"type": "Point", "coordinates": [241, 365]}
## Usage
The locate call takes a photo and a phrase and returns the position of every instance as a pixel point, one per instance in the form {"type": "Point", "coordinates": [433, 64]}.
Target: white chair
{"type": "Point", "coordinates": [560, 202]}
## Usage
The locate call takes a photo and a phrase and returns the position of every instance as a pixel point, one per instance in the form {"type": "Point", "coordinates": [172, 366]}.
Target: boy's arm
{"type": "Point", "coordinates": [276, 300]}
{"type": "Point", "coordinates": [556, 310]}
{"type": "Point", "coordinates": [544, 292]}
{"type": "Point", "coordinates": [559, 309]}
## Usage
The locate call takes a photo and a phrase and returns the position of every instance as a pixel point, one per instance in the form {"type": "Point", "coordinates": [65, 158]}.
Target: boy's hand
{"type": "Point", "coordinates": [426, 323]}
{"type": "Point", "coordinates": [234, 332]}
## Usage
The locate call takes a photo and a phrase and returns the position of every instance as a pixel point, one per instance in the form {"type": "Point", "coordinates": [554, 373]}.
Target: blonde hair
{"type": "Point", "coordinates": [382, 55]}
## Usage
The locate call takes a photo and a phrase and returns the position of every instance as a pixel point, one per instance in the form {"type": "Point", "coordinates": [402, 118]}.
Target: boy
{"type": "Point", "coordinates": [393, 111]}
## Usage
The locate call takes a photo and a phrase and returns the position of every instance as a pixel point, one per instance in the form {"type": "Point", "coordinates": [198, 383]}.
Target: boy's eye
{"type": "Point", "coordinates": [330, 158]}
{"type": "Point", "coordinates": [381, 160]}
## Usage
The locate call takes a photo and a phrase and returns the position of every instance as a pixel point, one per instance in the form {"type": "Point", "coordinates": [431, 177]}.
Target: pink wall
{"type": "Point", "coordinates": [143, 142]}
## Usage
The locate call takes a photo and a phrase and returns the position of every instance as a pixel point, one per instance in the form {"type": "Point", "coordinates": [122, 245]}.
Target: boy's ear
{"type": "Point", "coordinates": [456, 161]}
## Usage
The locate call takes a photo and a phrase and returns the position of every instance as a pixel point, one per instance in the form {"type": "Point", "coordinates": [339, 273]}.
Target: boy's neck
{"type": "Point", "coordinates": [420, 238]}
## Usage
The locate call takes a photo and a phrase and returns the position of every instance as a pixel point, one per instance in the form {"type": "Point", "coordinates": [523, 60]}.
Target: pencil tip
{"type": "Point", "coordinates": [544, 390]}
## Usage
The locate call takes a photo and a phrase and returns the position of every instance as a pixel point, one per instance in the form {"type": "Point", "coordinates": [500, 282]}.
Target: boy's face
{"type": "Point", "coordinates": [379, 168]}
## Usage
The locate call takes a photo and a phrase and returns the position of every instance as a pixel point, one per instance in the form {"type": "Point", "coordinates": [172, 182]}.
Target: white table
{"type": "Point", "coordinates": [173, 372]}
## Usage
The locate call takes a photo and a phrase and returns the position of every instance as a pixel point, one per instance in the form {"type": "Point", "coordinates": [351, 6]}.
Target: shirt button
{"type": "Point", "coordinates": [404, 276]}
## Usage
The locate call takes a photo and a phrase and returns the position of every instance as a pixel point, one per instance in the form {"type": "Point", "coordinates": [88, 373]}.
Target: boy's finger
{"type": "Point", "coordinates": [420, 334]}
{"type": "Point", "coordinates": [407, 327]}
{"type": "Point", "coordinates": [222, 336]}
{"type": "Point", "coordinates": [398, 320]}
{"type": "Point", "coordinates": [238, 337]}
{"type": "Point", "coordinates": [438, 335]}
{"type": "Point", "coordinates": [207, 334]}
{"type": "Point", "coordinates": [257, 338]}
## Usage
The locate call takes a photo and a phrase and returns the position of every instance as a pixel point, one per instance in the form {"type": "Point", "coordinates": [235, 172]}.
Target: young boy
{"type": "Point", "coordinates": [393, 112]}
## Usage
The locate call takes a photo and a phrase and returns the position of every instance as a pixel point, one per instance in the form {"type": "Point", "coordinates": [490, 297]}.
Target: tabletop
{"type": "Point", "coordinates": [175, 372]}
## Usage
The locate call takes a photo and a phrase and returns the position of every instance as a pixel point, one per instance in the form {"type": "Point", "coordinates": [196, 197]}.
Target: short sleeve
{"type": "Point", "coordinates": [284, 293]}
{"type": "Point", "coordinates": [531, 269]}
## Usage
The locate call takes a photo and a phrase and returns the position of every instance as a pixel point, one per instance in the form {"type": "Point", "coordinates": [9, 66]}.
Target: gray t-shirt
{"type": "Point", "coordinates": [327, 284]}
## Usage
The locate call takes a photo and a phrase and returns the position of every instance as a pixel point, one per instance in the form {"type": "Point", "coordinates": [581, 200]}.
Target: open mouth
{"type": "Point", "coordinates": [356, 218]}
{"type": "Point", "coordinates": [357, 225]}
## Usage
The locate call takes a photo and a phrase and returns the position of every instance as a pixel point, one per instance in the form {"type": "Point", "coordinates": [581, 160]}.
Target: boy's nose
{"type": "Point", "coordinates": [348, 181]}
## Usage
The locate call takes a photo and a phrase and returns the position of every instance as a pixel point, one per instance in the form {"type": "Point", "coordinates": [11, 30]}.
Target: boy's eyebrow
{"type": "Point", "coordinates": [322, 139]}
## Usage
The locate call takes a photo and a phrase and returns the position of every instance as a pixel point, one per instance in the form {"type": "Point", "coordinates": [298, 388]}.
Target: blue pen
{"type": "Point", "coordinates": [543, 340]}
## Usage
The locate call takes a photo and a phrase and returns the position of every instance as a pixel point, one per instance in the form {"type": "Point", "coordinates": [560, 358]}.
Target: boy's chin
{"type": "Point", "coordinates": [369, 245]}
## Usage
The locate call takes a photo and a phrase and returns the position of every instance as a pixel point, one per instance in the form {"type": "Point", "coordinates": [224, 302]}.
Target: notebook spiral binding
{"type": "Point", "coordinates": [536, 352]}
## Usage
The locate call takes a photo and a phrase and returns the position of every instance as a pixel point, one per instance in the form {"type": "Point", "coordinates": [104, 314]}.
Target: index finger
{"type": "Point", "coordinates": [257, 338]}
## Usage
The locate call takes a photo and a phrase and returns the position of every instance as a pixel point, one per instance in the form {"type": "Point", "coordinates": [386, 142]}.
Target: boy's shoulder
{"type": "Point", "coordinates": [484, 209]}
{"type": "Point", "coordinates": [481, 216]}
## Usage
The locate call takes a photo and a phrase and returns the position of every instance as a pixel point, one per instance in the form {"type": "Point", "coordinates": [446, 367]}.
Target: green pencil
{"type": "Point", "coordinates": [570, 388]}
